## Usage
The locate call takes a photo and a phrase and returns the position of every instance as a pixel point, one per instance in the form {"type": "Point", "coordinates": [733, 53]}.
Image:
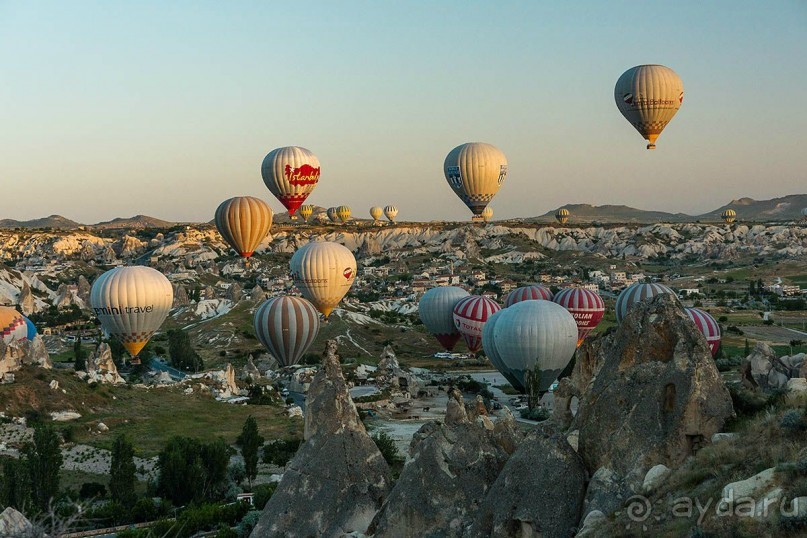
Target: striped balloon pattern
{"type": "Point", "coordinates": [475, 171]}
{"type": "Point", "coordinates": [489, 346]}
{"type": "Point", "coordinates": [333, 216]}
{"type": "Point", "coordinates": [635, 293]}
{"type": "Point", "coordinates": [391, 212]}
{"type": "Point", "coordinates": [287, 326]}
{"type": "Point", "coordinates": [708, 327]}
{"type": "Point", "coordinates": [729, 216]}
{"type": "Point", "coordinates": [306, 211]}
{"type": "Point", "coordinates": [12, 325]}
{"type": "Point", "coordinates": [323, 271]}
{"type": "Point", "coordinates": [343, 213]}
{"type": "Point", "coordinates": [132, 303]}
{"type": "Point", "coordinates": [436, 311]}
{"type": "Point", "coordinates": [562, 215]}
{"type": "Point", "coordinates": [533, 292]}
{"type": "Point", "coordinates": [470, 315]}
{"type": "Point", "coordinates": [290, 173]}
{"type": "Point", "coordinates": [586, 307]}
{"type": "Point", "coordinates": [243, 222]}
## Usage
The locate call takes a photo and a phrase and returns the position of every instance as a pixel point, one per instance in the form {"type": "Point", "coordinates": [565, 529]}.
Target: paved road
{"type": "Point", "coordinates": [159, 364]}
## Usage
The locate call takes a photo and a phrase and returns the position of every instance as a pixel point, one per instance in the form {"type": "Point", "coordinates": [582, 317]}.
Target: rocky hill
{"type": "Point", "coordinates": [748, 209]}
{"type": "Point", "coordinates": [138, 222]}
{"type": "Point", "coordinates": [55, 222]}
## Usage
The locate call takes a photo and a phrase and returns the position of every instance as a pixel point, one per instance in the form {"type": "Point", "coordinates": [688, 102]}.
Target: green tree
{"type": "Point", "coordinates": [15, 483]}
{"type": "Point", "coordinates": [747, 348]}
{"type": "Point", "coordinates": [122, 471]}
{"type": "Point", "coordinates": [190, 471]}
{"type": "Point", "coordinates": [215, 459]}
{"type": "Point", "coordinates": [250, 441]}
{"type": "Point", "coordinates": [80, 361]}
{"type": "Point", "coordinates": [44, 462]}
{"type": "Point", "coordinates": [183, 356]}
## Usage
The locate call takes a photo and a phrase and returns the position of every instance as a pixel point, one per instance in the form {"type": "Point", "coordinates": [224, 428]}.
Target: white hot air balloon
{"type": "Point", "coordinates": [535, 340]}
{"type": "Point", "coordinates": [391, 212]}
{"type": "Point", "coordinates": [376, 212]}
{"type": "Point", "coordinates": [333, 216]}
{"type": "Point", "coordinates": [489, 346]}
{"type": "Point", "coordinates": [287, 326]}
{"type": "Point", "coordinates": [487, 214]}
{"type": "Point", "coordinates": [132, 303]}
{"type": "Point", "coordinates": [649, 96]}
{"type": "Point", "coordinates": [323, 271]}
{"type": "Point", "coordinates": [475, 171]}
{"type": "Point", "coordinates": [290, 173]}
{"type": "Point", "coordinates": [436, 311]}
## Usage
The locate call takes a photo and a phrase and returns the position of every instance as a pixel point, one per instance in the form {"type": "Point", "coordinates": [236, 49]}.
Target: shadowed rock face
{"type": "Point", "coordinates": [451, 468]}
{"type": "Point", "coordinates": [338, 479]}
{"type": "Point", "coordinates": [538, 493]}
{"type": "Point", "coordinates": [656, 398]}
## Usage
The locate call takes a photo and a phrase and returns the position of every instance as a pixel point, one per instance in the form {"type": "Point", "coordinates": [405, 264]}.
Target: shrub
{"type": "Point", "coordinates": [244, 528]}
{"type": "Point", "coordinates": [280, 451]}
{"type": "Point", "coordinates": [793, 422]}
{"type": "Point", "coordinates": [748, 403]}
{"type": "Point", "coordinates": [537, 413]}
{"type": "Point", "coordinates": [91, 490]}
{"type": "Point", "coordinates": [262, 494]}
{"type": "Point", "coordinates": [386, 445]}
{"type": "Point", "coordinates": [144, 510]}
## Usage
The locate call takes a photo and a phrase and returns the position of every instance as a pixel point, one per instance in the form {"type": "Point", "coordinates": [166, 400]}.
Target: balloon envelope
{"type": "Point", "coordinates": [475, 171]}
{"type": "Point", "coordinates": [470, 315]}
{"type": "Point", "coordinates": [649, 96]}
{"type": "Point", "coordinates": [376, 212]}
{"type": "Point", "coordinates": [729, 216]}
{"type": "Point", "coordinates": [708, 327]}
{"type": "Point", "coordinates": [586, 307]}
{"type": "Point", "coordinates": [436, 311]}
{"type": "Point", "coordinates": [487, 214]}
{"type": "Point", "coordinates": [323, 271]}
{"type": "Point", "coordinates": [132, 303]}
{"type": "Point", "coordinates": [306, 211]}
{"type": "Point", "coordinates": [287, 326]}
{"type": "Point", "coordinates": [489, 346]}
{"type": "Point", "coordinates": [391, 212]}
{"type": "Point", "coordinates": [243, 222]}
{"type": "Point", "coordinates": [532, 292]}
{"type": "Point", "coordinates": [290, 173]}
{"type": "Point", "coordinates": [635, 293]}
{"type": "Point", "coordinates": [535, 336]}
{"type": "Point", "coordinates": [30, 328]}
{"type": "Point", "coordinates": [562, 215]}
{"type": "Point", "coordinates": [12, 325]}
{"type": "Point", "coordinates": [332, 215]}
{"type": "Point", "coordinates": [343, 213]}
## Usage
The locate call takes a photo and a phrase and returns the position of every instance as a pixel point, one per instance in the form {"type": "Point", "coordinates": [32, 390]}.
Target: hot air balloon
{"type": "Point", "coordinates": [391, 212]}
{"type": "Point", "coordinates": [470, 314]}
{"type": "Point", "coordinates": [649, 96]}
{"type": "Point", "coordinates": [489, 346]}
{"type": "Point", "coordinates": [290, 173]}
{"type": "Point", "coordinates": [487, 214]}
{"type": "Point", "coordinates": [306, 211]}
{"type": "Point", "coordinates": [586, 307]}
{"type": "Point", "coordinates": [332, 216]}
{"type": "Point", "coordinates": [343, 213]}
{"type": "Point", "coordinates": [12, 325]}
{"type": "Point", "coordinates": [532, 292]}
{"type": "Point", "coordinates": [324, 272]}
{"type": "Point", "coordinates": [729, 216]}
{"type": "Point", "coordinates": [243, 223]}
{"type": "Point", "coordinates": [708, 327]}
{"type": "Point", "coordinates": [376, 212]}
{"type": "Point", "coordinates": [475, 171]}
{"type": "Point", "coordinates": [635, 293]}
{"type": "Point", "coordinates": [436, 311]}
{"type": "Point", "coordinates": [286, 326]}
{"type": "Point", "coordinates": [30, 328]}
{"type": "Point", "coordinates": [562, 215]}
{"type": "Point", "coordinates": [131, 303]}
{"type": "Point", "coordinates": [535, 340]}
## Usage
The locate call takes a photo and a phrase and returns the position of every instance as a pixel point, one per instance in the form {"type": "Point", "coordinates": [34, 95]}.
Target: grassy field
{"type": "Point", "coordinates": [147, 417]}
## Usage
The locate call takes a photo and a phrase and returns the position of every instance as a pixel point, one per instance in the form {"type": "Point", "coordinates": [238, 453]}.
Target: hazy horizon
{"type": "Point", "coordinates": [115, 110]}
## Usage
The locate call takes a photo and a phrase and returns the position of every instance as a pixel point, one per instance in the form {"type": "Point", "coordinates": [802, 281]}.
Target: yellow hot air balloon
{"type": "Point", "coordinates": [729, 216]}
{"type": "Point", "coordinates": [332, 216]}
{"type": "Point", "coordinates": [290, 173]}
{"type": "Point", "coordinates": [391, 212]}
{"type": "Point", "coordinates": [243, 222]}
{"type": "Point", "coordinates": [132, 303]}
{"type": "Point", "coordinates": [12, 325]}
{"type": "Point", "coordinates": [649, 96]}
{"type": "Point", "coordinates": [343, 213]}
{"type": "Point", "coordinates": [323, 271]}
{"type": "Point", "coordinates": [306, 211]}
{"type": "Point", "coordinates": [562, 215]}
{"type": "Point", "coordinates": [487, 214]}
{"type": "Point", "coordinates": [376, 212]}
{"type": "Point", "coordinates": [475, 171]}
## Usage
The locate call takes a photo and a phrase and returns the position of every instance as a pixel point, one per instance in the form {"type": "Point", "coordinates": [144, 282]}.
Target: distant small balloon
{"type": "Point", "coordinates": [332, 215]}
{"type": "Point", "coordinates": [649, 96]}
{"type": "Point", "coordinates": [729, 216]}
{"type": "Point", "coordinates": [376, 212]}
{"type": "Point", "coordinates": [343, 213]}
{"type": "Point", "coordinates": [391, 212]}
{"type": "Point", "coordinates": [306, 211]}
{"type": "Point", "coordinates": [487, 214]}
{"type": "Point", "coordinates": [562, 215]}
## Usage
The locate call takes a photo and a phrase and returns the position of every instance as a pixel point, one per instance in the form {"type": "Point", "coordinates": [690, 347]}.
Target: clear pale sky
{"type": "Point", "coordinates": [118, 108]}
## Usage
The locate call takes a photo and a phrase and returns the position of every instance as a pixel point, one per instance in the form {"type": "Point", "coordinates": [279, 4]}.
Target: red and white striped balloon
{"type": "Point", "coordinates": [586, 307]}
{"type": "Point", "coordinates": [708, 327]}
{"type": "Point", "coordinates": [533, 292]}
{"type": "Point", "coordinates": [470, 315]}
